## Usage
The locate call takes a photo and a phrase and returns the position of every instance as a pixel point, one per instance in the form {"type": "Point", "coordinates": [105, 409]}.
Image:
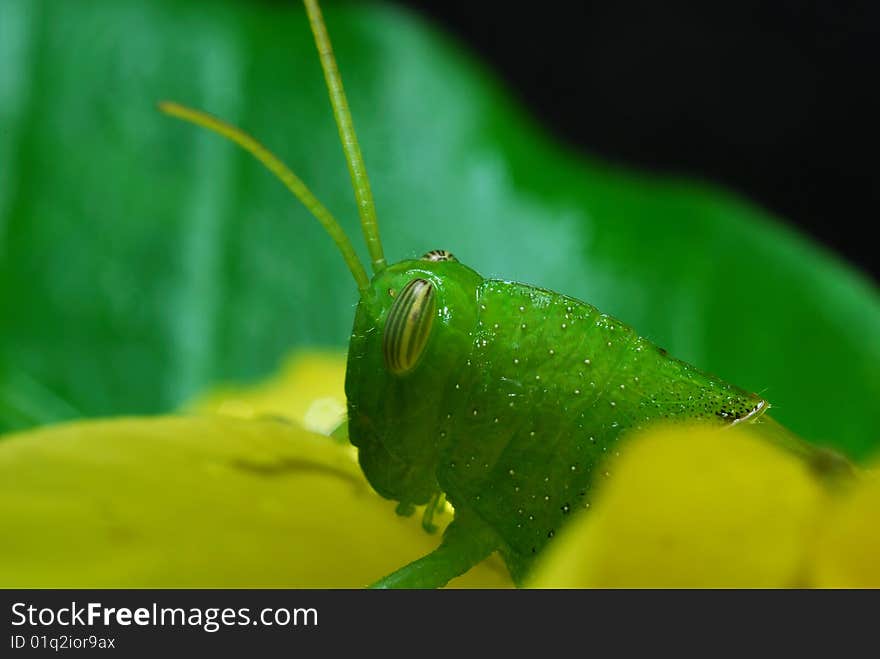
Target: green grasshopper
{"type": "Point", "coordinates": [502, 398]}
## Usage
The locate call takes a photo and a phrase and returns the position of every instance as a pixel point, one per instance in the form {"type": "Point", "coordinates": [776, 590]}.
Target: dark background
{"type": "Point", "coordinates": [777, 99]}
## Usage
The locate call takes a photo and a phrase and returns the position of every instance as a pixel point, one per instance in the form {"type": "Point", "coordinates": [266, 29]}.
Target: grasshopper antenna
{"type": "Point", "coordinates": [356, 168]}
{"type": "Point", "coordinates": [290, 180]}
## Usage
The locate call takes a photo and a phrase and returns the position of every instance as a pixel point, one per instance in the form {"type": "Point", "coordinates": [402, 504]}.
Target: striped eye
{"type": "Point", "coordinates": [438, 255]}
{"type": "Point", "coordinates": [408, 326]}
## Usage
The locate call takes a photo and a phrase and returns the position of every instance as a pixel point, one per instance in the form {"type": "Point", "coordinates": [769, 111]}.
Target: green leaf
{"type": "Point", "coordinates": [142, 260]}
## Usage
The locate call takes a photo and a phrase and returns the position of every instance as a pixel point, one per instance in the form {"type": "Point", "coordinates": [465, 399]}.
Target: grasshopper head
{"type": "Point", "coordinates": [413, 331]}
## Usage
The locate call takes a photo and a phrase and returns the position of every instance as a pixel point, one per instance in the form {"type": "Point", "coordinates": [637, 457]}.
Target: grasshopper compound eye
{"type": "Point", "coordinates": [408, 326]}
{"type": "Point", "coordinates": [439, 255]}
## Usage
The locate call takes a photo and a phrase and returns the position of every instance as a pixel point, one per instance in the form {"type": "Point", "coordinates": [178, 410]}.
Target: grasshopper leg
{"type": "Point", "coordinates": [466, 542]}
{"type": "Point", "coordinates": [435, 505]}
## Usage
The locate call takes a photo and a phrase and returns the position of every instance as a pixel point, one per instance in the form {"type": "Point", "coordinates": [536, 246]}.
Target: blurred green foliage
{"type": "Point", "coordinates": [142, 260]}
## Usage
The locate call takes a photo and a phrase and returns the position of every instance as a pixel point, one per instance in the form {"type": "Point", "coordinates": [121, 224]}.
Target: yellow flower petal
{"type": "Point", "coordinates": [691, 507]}
{"type": "Point", "coordinates": [309, 389]}
{"type": "Point", "coordinates": [197, 502]}
{"type": "Point", "coordinates": [848, 548]}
